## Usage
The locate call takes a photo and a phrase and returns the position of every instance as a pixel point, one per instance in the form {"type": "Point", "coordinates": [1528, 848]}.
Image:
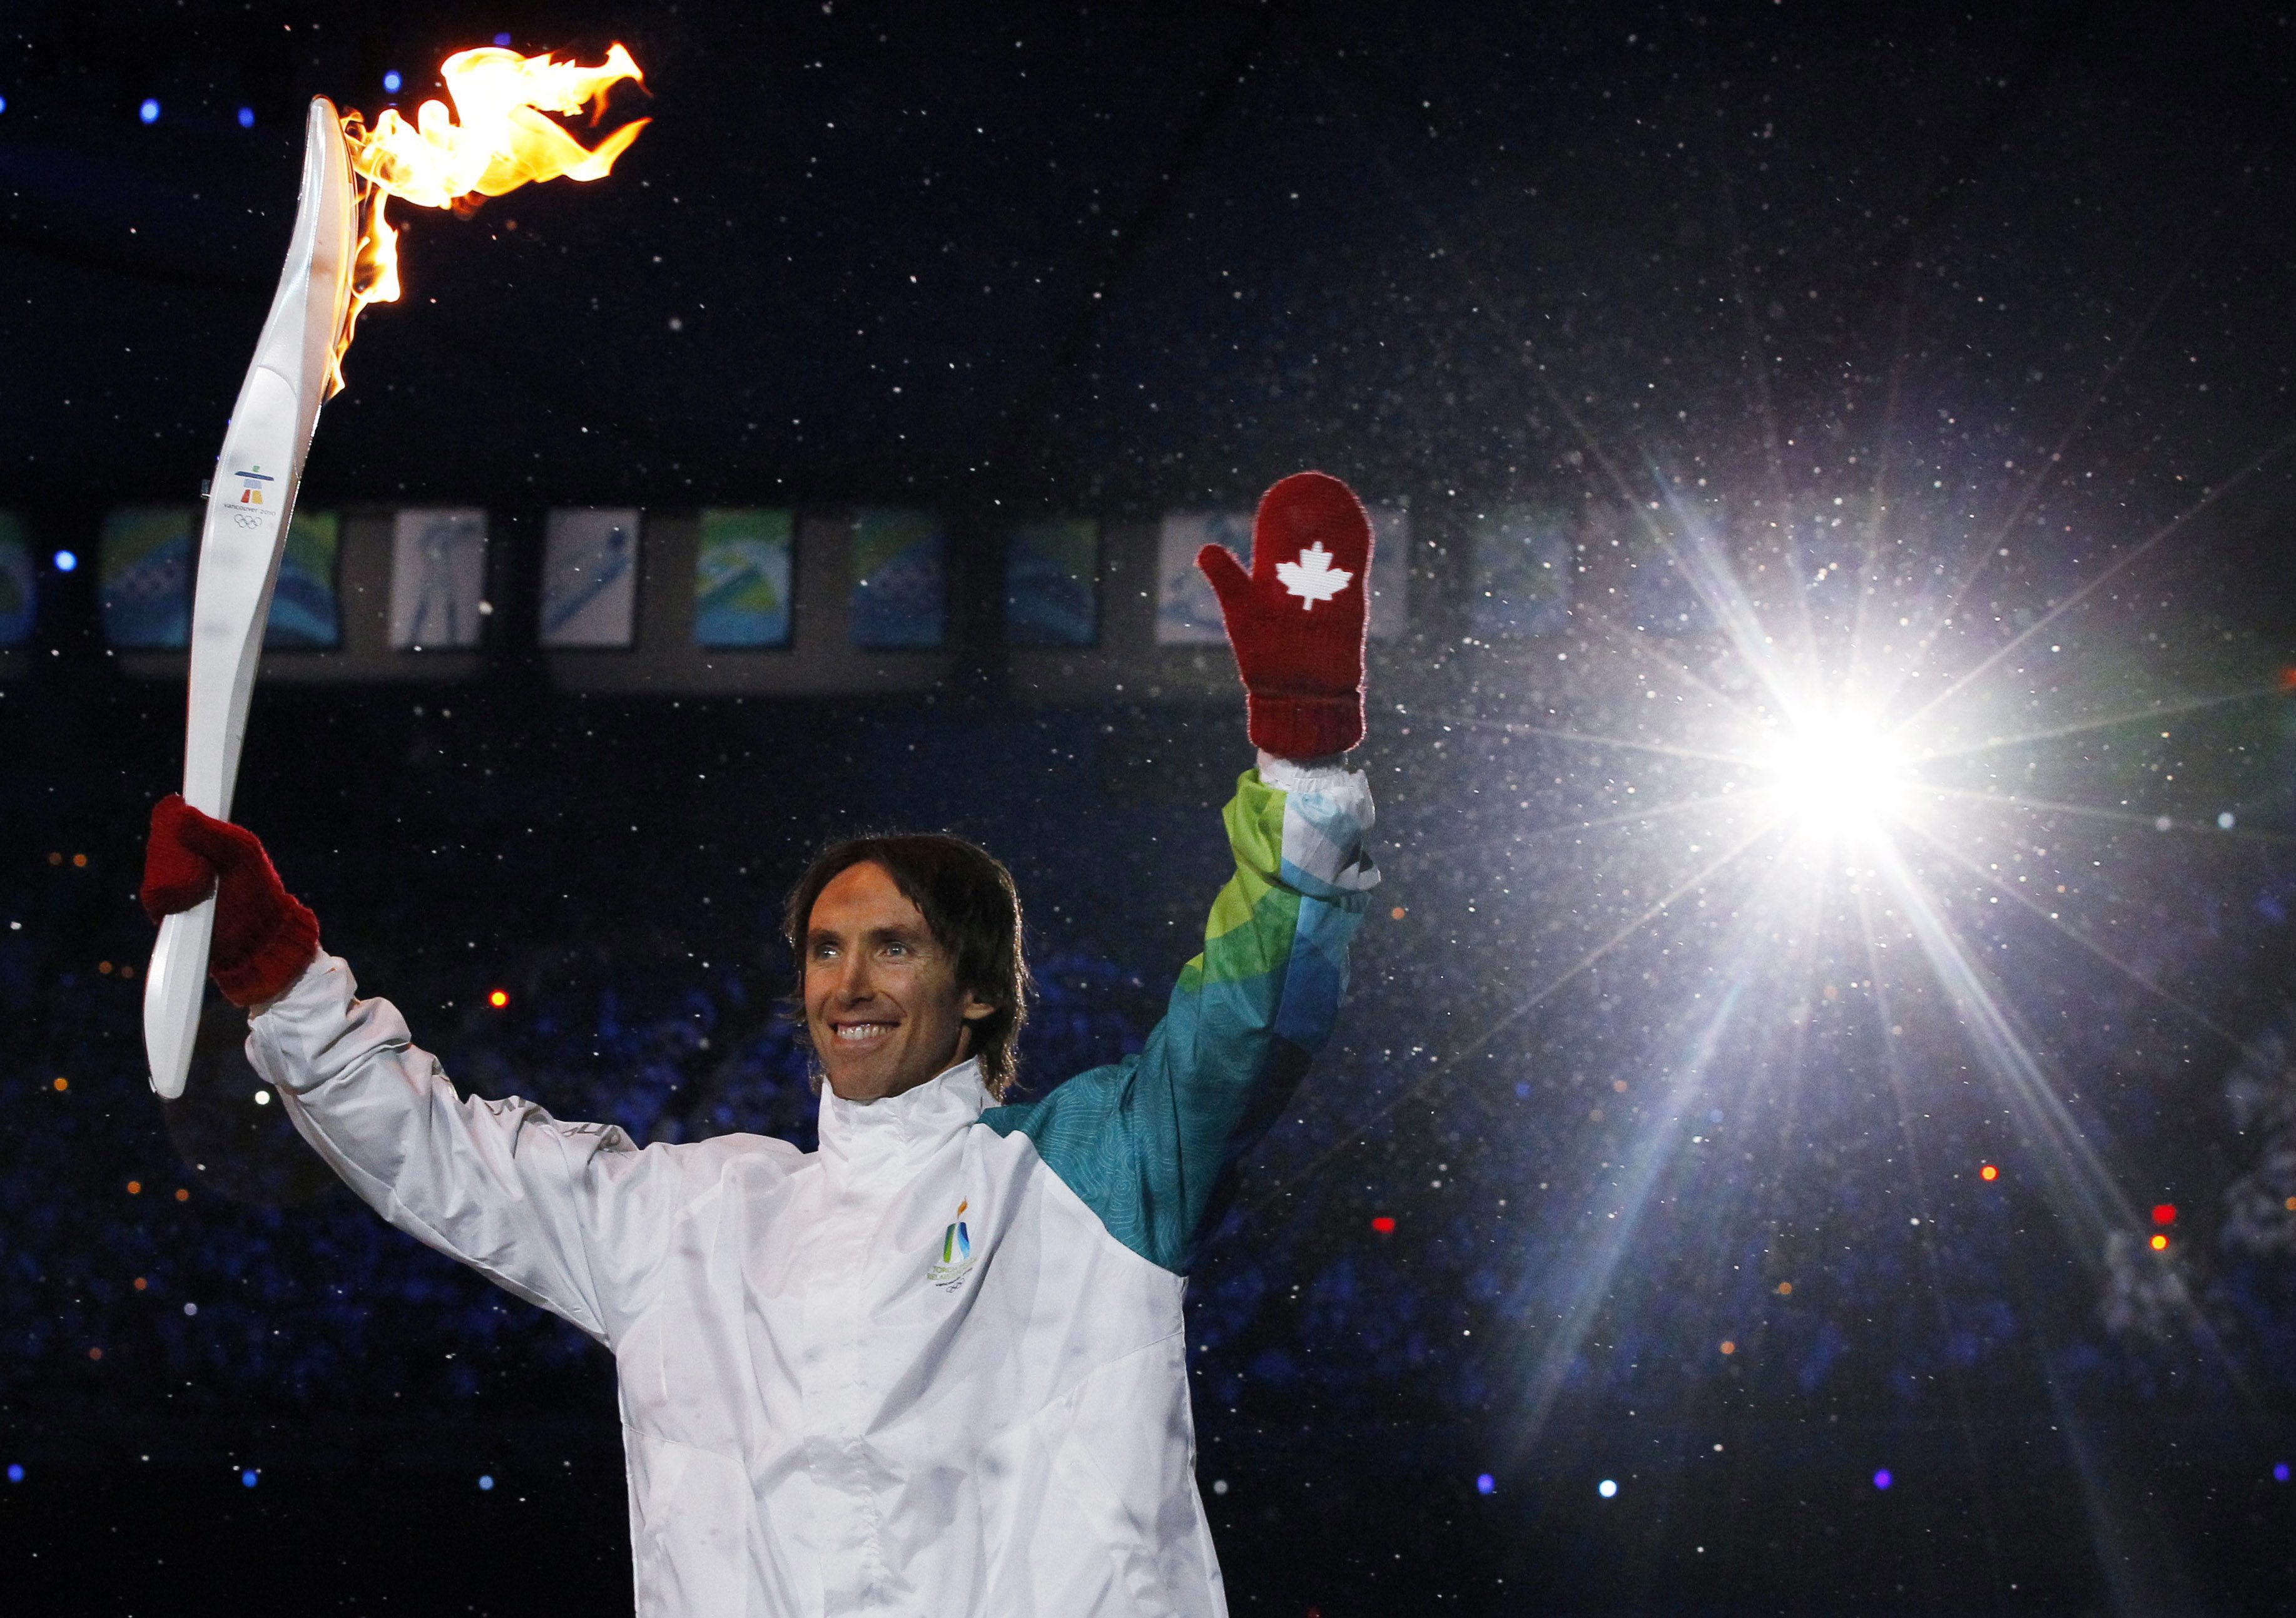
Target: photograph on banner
{"type": "Point", "coordinates": [1520, 558]}
{"type": "Point", "coordinates": [437, 577]}
{"type": "Point", "coordinates": [1390, 572]}
{"type": "Point", "coordinates": [900, 580]}
{"type": "Point", "coordinates": [304, 612]}
{"type": "Point", "coordinates": [1052, 583]}
{"type": "Point", "coordinates": [1187, 613]}
{"type": "Point", "coordinates": [741, 576]}
{"type": "Point", "coordinates": [1662, 598]}
{"type": "Point", "coordinates": [590, 578]}
{"type": "Point", "coordinates": [143, 578]}
{"type": "Point", "coordinates": [19, 582]}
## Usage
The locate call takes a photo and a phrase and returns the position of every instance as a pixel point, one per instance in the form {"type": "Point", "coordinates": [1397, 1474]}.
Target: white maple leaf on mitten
{"type": "Point", "coordinates": [1312, 578]}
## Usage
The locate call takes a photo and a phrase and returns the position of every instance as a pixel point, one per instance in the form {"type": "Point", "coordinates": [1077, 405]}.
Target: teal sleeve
{"type": "Point", "coordinates": [1150, 1142]}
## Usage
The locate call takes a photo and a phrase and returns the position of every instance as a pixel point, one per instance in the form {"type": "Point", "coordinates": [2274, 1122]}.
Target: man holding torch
{"type": "Point", "coordinates": [938, 1366]}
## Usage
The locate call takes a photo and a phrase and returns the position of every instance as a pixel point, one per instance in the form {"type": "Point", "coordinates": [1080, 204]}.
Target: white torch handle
{"type": "Point", "coordinates": [250, 501]}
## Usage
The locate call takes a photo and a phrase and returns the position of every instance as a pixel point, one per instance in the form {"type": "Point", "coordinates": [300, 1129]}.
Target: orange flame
{"type": "Point", "coordinates": [494, 140]}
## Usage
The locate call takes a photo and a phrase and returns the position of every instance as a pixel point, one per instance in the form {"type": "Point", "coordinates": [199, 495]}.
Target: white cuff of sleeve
{"type": "Point", "coordinates": [1302, 775]}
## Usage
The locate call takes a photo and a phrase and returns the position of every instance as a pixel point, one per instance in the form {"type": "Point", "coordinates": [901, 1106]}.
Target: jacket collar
{"type": "Point", "coordinates": [860, 1139]}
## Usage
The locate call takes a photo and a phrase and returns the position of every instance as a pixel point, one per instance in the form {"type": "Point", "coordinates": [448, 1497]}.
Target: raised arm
{"type": "Point", "coordinates": [1152, 1144]}
{"type": "Point", "coordinates": [572, 1216]}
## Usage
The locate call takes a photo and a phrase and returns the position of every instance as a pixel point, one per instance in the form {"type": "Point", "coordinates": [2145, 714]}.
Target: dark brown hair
{"type": "Point", "coordinates": [968, 899]}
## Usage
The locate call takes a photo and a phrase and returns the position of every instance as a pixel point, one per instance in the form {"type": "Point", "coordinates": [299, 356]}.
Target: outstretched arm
{"type": "Point", "coordinates": [1152, 1144]}
{"type": "Point", "coordinates": [568, 1216]}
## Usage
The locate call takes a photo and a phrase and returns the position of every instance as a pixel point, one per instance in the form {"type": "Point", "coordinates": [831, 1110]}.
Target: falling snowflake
{"type": "Point", "coordinates": [1312, 578]}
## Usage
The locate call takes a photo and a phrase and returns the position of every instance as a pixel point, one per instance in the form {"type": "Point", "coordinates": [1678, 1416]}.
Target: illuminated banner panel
{"type": "Point", "coordinates": [144, 577]}
{"type": "Point", "coordinates": [590, 578]}
{"type": "Point", "coordinates": [1187, 613]}
{"type": "Point", "coordinates": [743, 574]}
{"type": "Point", "coordinates": [1390, 572]}
{"type": "Point", "coordinates": [1522, 559]}
{"type": "Point", "coordinates": [1052, 584]}
{"type": "Point", "coordinates": [900, 580]}
{"type": "Point", "coordinates": [437, 579]}
{"type": "Point", "coordinates": [19, 583]}
{"type": "Point", "coordinates": [304, 612]}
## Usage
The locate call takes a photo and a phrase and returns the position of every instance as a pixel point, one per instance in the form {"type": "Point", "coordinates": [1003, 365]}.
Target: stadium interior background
{"type": "Point", "coordinates": [1557, 1290]}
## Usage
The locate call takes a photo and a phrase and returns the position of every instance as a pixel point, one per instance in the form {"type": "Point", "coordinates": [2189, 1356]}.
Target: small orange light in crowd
{"type": "Point", "coordinates": [1729, 1347]}
{"type": "Point", "coordinates": [135, 1187]}
{"type": "Point", "coordinates": [95, 1354]}
{"type": "Point", "coordinates": [2292, 1205]}
{"type": "Point", "coordinates": [1785, 1289]}
{"type": "Point", "coordinates": [79, 861]}
{"type": "Point", "coordinates": [2164, 1214]}
{"type": "Point", "coordinates": [127, 971]}
{"type": "Point", "coordinates": [2288, 679]}
{"type": "Point", "coordinates": [104, 967]}
{"type": "Point", "coordinates": [2160, 1243]}
{"type": "Point", "coordinates": [1384, 1224]}
{"type": "Point", "coordinates": [1988, 1172]}
{"type": "Point", "coordinates": [183, 1196]}
{"type": "Point", "coordinates": [63, 1083]}
{"type": "Point", "coordinates": [141, 1284]}
{"type": "Point", "coordinates": [56, 859]}
{"type": "Point", "coordinates": [498, 1000]}
{"type": "Point", "coordinates": [1396, 914]}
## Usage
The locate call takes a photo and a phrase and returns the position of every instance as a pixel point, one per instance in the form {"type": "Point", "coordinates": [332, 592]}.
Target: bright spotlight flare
{"type": "Point", "coordinates": [342, 256]}
{"type": "Point", "coordinates": [1837, 772]}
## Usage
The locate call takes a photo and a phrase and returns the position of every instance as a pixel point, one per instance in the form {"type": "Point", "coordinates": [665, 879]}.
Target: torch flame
{"type": "Point", "coordinates": [496, 139]}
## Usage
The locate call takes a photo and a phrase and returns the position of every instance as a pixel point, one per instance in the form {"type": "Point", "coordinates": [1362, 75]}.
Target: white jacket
{"type": "Point", "coordinates": [935, 1368]}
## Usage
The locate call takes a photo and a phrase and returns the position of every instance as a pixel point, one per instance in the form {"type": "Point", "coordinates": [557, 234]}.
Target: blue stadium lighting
{"type": "Point", "coordinates": [1485, 1483]}
{"type": "Point", "coordinates": [149, 112]}
{"type": "Point", "coordinates": [502, 38]}
{"type": "Point", "coordinates": [4, 104]}
{"type": "Point", "coordinates": [1882, 1479]}
{"type": "Point", "coordinates": [485, 1480]}
{"type": "Point", "coordinates": [2279, 1473]}
{"type": "Point", "coordinates": [66, 561]}
{"type": "Point", "coordinates": [1607, 1488]}
{"type": "Point", "coordinates": [16, 1472]}
{"type": "Point", "coordinates": [247, 1477]}
{"type": "Point", "coordinates": [247, 117]}
{"type": "Point", "coordinates": [391, 82]}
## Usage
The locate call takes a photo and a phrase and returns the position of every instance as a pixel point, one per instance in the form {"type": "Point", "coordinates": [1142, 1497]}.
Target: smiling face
{"type": "Point", "coordinates": [881, 998]}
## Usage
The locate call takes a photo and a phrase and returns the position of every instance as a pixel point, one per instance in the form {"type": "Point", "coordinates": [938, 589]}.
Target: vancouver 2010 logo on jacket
{"type": "Point", "coordinates": [956, 1253]}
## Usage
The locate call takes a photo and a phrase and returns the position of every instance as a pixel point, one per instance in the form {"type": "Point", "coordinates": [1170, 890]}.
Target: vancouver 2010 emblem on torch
{"type": "Point", "coordinates": [343, 255]}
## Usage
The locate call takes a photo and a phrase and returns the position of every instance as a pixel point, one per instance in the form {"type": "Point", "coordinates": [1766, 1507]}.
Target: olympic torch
{"type": "Point", "coordinates": [342, 256]}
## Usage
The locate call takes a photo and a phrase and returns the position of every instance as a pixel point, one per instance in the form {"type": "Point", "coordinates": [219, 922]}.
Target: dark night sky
{"type": "Point", "coordinates": [1061, 256]}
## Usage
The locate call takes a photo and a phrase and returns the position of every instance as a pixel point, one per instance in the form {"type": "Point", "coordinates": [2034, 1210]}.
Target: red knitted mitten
{"type": "Point", "coordinates": [1296, 620]}
{"type": "Point", "coordinates": [264, 935]}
